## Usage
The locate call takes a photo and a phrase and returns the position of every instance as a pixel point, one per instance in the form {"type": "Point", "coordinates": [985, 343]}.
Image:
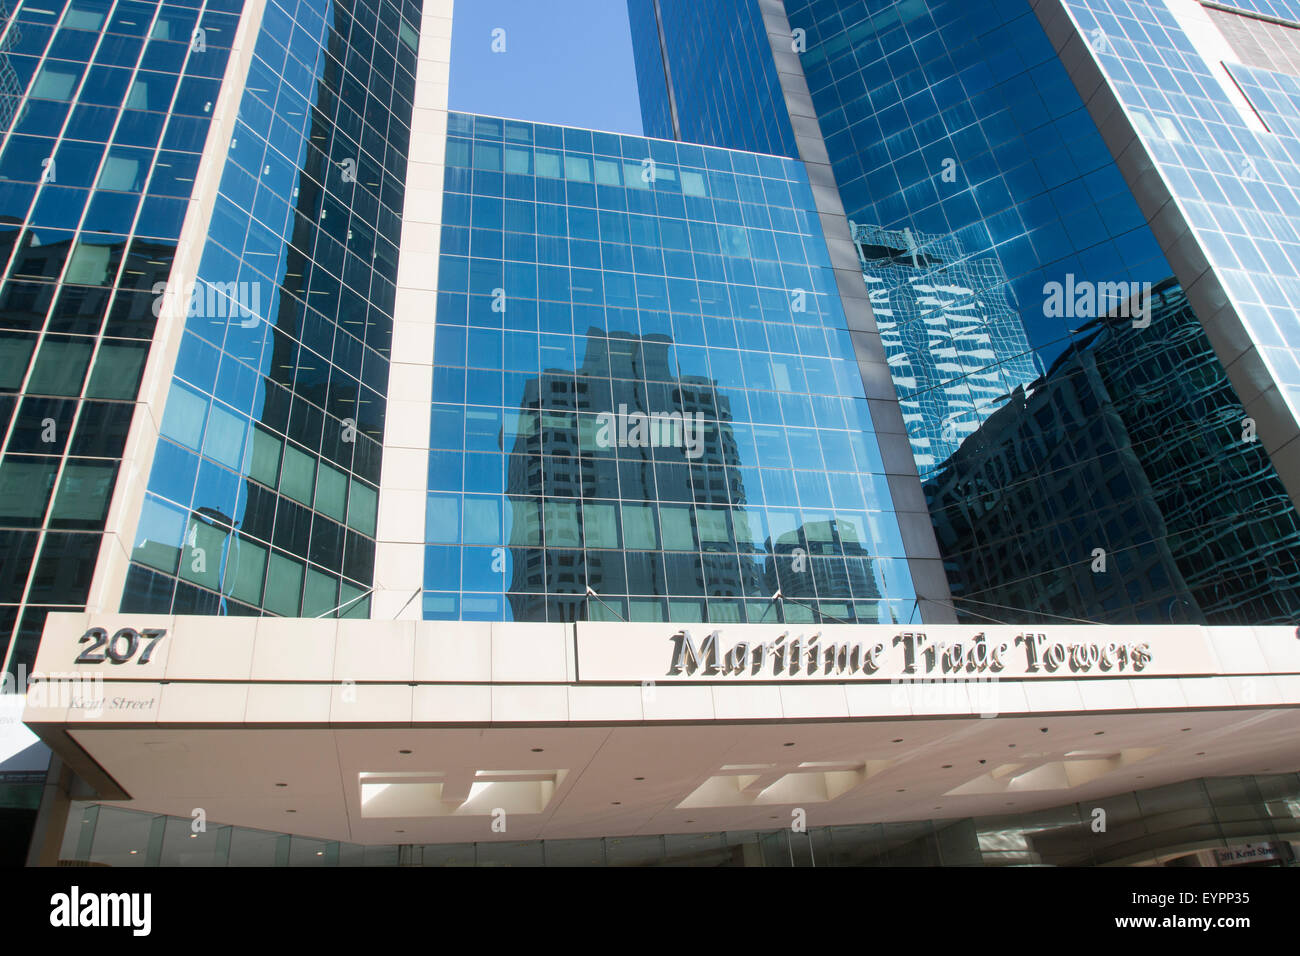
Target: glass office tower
{"type": "Point", "coordinates": [714, 59]}
{"type": "Point", "coordinates": [104, 110]}
{"type": "Point", "coordinates": [247, 277]}
{"type": "Point", "coordinates": [587, 280]}
{"type": "Point", "coordinates": [100, 158]}
{"type": "Point", "coordinates": [263, 491]}
{"type": "Point", "coordinates": [978, 149]}
{"type": "Point", "coordinates": [285, 337]}
{"type": "Point", "coordinates": [644, 404]}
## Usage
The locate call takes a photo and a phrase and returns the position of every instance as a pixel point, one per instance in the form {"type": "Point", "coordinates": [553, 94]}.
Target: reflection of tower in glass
{"type": "Point", "coordinates": [954, 341]}
{"type": "Point", "coordinates": [1192, 520]}
{"type": "Point", "coordinates": [1233, 530]}
{"type": "Point", "coordinates": [209, 540]}
{"type": "Point", "coordinates": [562, 478]}
{"type": "Point", "coordinates": [823, 559]}
{"type": "Point", "coordinates": [11, 91]}
{"type": "Point", "coordinates": [287, 343]}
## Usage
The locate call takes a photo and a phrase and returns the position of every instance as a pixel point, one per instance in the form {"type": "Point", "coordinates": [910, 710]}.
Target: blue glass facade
{"type": "Point", "coordinates": [588, 278]}
{"type": "Point", "coordinates": [651, 72]}
{"type": "Point", "coordinates": [1235, 182]}
{"type": "Point", "coordinates": [944, 314]}
{"type": "Point", "coordinates": [1282, 9]}
{"type": "Point", "coordinates": [719, 63]}
{"type": "Point", "coordinates": [263, 493]}
{"type": "Point", "coordinates": [957, 119]}
{"type": "Point", "coordinates": [104, 109]}
{"type": "Point", "coordinates": [647, 403]}
{"type": "Point", "coordinates": [1199, 527]}
{"type": "Point", "coordinates": [956, 122]}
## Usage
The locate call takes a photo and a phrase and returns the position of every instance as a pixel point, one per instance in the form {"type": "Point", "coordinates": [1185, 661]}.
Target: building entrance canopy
{"type": "Point", "coordinates": [437, 732]}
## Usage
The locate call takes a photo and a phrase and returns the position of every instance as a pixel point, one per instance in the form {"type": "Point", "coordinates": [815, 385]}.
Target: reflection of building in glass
{"type": "Point", "coordinates": [678, 310]}
{"type": "Point", "coordinates": [1224, 146]}
{"type": "Point", "coordinates": [643, 525]}
{"type": "Point", "coordinates": [316, 363]}
{"type": "Point", "coordinates": [1025, 172]}
{"type": "Point", "coordinates": [953, 127]}
{"type": "Point", "coordinates": [276, 510]}
{"type": "Point", "coordinates": [560, 479]}
{"type": "Point", "coordinates": [827, 559]}
{"type": "Point", "coordinates": [1132, 444]}
{"type": "Point", "coordinates": [11, 89]}
{"type": "Point", "coordinates": [955, 343]}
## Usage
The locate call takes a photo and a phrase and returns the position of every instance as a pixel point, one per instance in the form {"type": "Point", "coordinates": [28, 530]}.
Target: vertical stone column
{"type": "Point", "coordinates": [403, 482]}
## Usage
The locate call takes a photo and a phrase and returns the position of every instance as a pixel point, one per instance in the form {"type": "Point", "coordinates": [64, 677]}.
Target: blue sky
{"type": "Point", "coordinates": [567, 62]}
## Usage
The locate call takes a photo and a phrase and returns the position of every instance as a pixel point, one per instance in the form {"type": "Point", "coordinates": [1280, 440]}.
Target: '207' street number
{"type": "Point", "coordinates": [121, 647]}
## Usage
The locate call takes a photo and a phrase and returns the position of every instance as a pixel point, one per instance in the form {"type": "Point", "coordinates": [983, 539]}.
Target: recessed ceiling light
{"type": "Point", "coordinates": [134, 852]}
{"type": "Point", "coordinates": [194, 836]}
{"type": "Point", "coordinates": [320, 852]}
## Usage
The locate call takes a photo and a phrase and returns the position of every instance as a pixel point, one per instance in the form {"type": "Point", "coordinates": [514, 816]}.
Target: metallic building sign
{"type": "Point", "coordinates": [656, 652]}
